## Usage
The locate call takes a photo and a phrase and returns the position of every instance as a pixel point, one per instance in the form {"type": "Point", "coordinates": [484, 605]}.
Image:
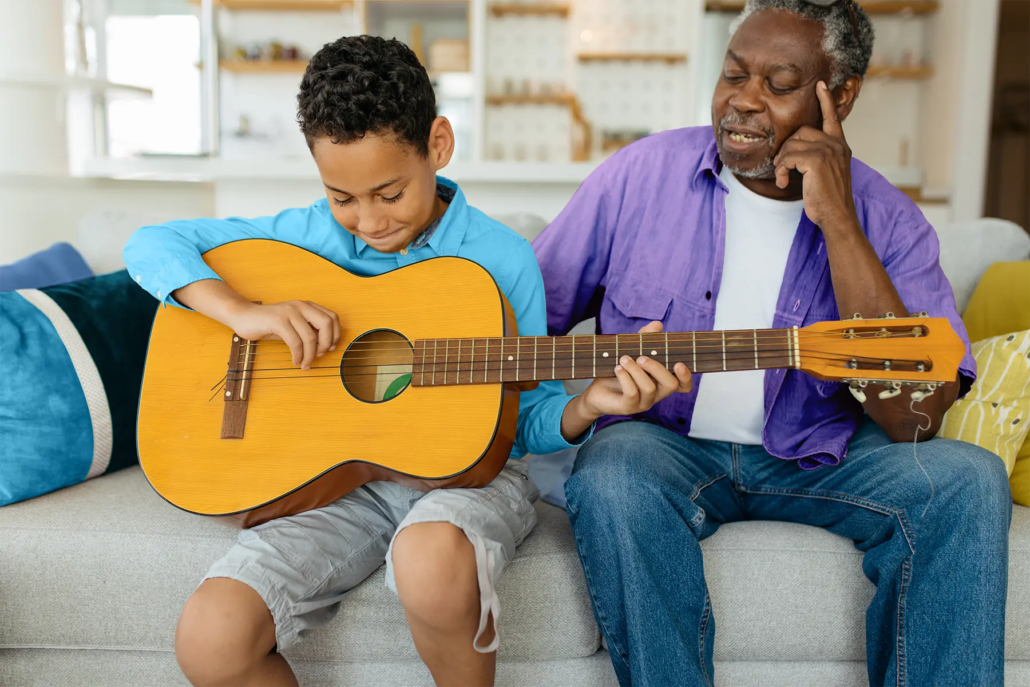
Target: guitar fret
{"type": "Point", "coordinates": [724, 351]}
{"type": "Point", "coordinates": [594, 339]}
{"type": "Point", "coordinates": [518, 357]}
{"type": "Point", "coordinates": [536, 339]}
{"type": "Point", "coordinates": [573, 356]}
{"type": "Point", "coordinates": [797, 349]}
{"type": "Point", "coordinates": [641, 344]}
{"type": "Point", "coordinates": [554, 355]}
{"type": "Point", "coordinates": [667, 350]}
{"type": "Point", "coordinates": [693, 349]}
{"type": "Point", "coordinates": [500, 373]}
{"type": "Point", "coordinates": [755, 332]}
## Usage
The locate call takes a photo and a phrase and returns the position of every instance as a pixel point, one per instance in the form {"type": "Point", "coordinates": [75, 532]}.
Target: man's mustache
{"type": "Point", "coordinates": [746, 122]}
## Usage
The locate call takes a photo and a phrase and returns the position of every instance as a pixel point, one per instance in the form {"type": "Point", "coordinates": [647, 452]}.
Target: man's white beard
{"type": "Point", "coordinates": [765, 171]}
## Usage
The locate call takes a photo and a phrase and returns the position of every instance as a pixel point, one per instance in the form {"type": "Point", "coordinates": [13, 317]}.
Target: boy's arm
{"type": "Point", "coordinates": [166, 261]}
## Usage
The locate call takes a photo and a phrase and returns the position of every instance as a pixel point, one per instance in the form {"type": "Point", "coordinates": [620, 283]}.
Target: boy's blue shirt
{"type": "Point", "coordinates": [166, 257]}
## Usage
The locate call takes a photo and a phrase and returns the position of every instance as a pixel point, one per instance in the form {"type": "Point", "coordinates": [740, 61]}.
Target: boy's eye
{"type": "Point", "coordinates": [393, 199]}
{"type": "Point", "coordinates": [345, 201]}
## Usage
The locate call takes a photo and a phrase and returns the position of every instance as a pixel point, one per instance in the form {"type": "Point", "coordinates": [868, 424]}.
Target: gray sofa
{"type": "Point", "coordinates": [92, 580]}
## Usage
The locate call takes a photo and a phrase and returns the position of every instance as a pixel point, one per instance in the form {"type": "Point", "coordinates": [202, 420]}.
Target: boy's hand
{"type": "Point", "coordinates": [309, 329]}
{"type": "Point", "coordinates": [637, 386]}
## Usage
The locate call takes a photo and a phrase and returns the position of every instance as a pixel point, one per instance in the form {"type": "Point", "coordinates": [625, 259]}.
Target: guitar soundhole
{"type": "Point", "coordinates": [376, 367]}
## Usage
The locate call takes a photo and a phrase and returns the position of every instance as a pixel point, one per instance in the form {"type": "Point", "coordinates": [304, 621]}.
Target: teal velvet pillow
{"type": "Point", "coordinates": [71, 366]}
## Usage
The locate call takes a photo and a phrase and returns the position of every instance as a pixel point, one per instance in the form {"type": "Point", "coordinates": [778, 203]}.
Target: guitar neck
{"type": "Point", "coordinates": [439, 362]}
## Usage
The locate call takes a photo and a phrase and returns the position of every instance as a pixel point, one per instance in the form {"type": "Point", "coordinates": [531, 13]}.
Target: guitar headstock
{"type": "Point", "coordinates": [918, 351]}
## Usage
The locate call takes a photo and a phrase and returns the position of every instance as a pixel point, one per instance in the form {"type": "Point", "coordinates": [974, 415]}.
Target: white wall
{"type": "Point", "coordinates": [36, 212]}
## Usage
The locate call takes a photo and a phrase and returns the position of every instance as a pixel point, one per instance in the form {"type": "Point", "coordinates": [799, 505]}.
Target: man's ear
{"type": "Point", "coordinates": [846, 95]}
{"type": "Point", "coordinates": [441, 143]}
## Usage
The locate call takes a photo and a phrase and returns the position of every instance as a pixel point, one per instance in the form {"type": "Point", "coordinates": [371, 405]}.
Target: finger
{"type": "Point", "coordinates": [309, 337]}
{"type": "Point", "coordinates": [664, 379]}
{"type": "Point", "coordinates": [831, 124]}
{"type": "Point", "coordinates": [798, 146]}
{"type": "Point", "coordinates": [642, 379]}
{"type": "Point", "coordinates": [686, 380]}
{"type": "Point", "coordinates": [802, 162]}
{"type": "Point", "coordinates": [809, 134]}
{"type": "Point", "coordinates": [321, 323]}
{"type": "Point", "coordinates": [653, 327]}
{"type": "Point", "coordinates": [630, 393]}
{"type": "Point", "coordinates": [288, 334]}
{"type": "Point", "coordinates": [336, 324]}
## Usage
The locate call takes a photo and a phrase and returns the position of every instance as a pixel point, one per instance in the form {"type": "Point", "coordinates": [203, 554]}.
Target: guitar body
{"type": "Point", "coordinates": [307, 438]}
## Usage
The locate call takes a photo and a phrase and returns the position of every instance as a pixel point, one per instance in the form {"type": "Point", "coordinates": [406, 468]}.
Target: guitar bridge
{"type": "Point", "coordinates": [238, 379]}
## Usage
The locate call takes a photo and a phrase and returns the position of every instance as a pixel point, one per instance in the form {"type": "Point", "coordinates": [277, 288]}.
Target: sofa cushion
{"type": "Point", "coordinates": [108, 564]}
{"type": "Point", "coordinates": [58, 264]}
{"type": "Point", "coordinates": [993, 415]}
{"type": "Point", "coordinates": [71, 364]}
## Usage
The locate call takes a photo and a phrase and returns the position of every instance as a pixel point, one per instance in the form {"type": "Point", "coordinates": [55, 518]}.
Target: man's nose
{"type": "Point", "coordinates": [748, 96]}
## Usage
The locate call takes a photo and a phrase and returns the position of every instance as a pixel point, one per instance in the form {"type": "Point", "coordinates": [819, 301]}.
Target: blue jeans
{"type": "Point", "coordinates": [641, 498]}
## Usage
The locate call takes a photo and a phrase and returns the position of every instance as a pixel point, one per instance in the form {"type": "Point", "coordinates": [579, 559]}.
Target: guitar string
{"type": "Point", "coordinates": [434, 370]}
{"type": "Point", "coordinates": [402, 347]}
{"type": "Point", "coordinates": [730, 355]}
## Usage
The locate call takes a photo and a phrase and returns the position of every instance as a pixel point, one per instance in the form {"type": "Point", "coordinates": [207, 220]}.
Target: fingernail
{"type": "Point", "coordinates": [641, 360]}
{"type": "Point", "coordinates": [332, 348]}
{"type": "Point", "coordinates": [624, 360]}
{"type": "Point", "coordinates": [618, 368]}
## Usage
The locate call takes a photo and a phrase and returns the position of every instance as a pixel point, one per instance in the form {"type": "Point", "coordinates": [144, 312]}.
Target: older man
{"type": "Point", "coordinates": [765, 220]}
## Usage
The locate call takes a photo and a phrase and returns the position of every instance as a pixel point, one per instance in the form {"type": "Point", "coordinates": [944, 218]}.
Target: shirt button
{"type": "Point", "coordinates": [158, 294]}
{"type": "Point", "coordinates": [681, 421]}
{"type": "Point", "coordinates": [708, 295]}
{"type": "Point", "coordinates": [137, 279]}
{"type": "Point", "coordinates": [404, 251]}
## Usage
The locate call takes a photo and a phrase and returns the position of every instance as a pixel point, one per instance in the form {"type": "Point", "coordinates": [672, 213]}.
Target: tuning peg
{"type": "Point", "coordinates": [857, 393]}
{"type": "Point", "coordinates": [888, 316]}
{"type": "Point", "coordinates": [890, 390]}
{"type": "Point", "coordinates": [857, 316]}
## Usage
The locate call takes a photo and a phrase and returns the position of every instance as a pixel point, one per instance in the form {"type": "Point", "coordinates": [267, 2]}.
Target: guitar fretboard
{"type": "Point", "coordinates": [440, 362]}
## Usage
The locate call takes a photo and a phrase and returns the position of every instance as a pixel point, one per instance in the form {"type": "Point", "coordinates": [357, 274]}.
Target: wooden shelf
{"type": "Point", "coordinates": [562, 99]}
{"type": "Point", "coordinates": [913, 73]}
{"type": "Point", "coordinates": [283, 5]}
{"type": "Point", "coordinates": [870, 6]}
{"type": "Point", "coordinates": [505, 9]}
{"type": "Point", "coordinates": [667, 57]}
{"type": "Point", "coordinates": [264, 66]}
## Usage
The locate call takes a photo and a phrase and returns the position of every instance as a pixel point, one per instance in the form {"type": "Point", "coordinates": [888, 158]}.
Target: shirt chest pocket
{"type": "Point", "coordinates": [629, 304]}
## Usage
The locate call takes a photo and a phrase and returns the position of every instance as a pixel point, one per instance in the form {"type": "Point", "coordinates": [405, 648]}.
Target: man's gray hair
{"type": "Point", "coordinates": [848, 57]}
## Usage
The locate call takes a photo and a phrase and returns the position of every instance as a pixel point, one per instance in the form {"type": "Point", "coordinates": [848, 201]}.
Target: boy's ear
{"type": "Point", "coordinates": [441, 143]}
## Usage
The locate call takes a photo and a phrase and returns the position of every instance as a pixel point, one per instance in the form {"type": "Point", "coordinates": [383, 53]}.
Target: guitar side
{"type": "Point", "coordinates": [307, 439]}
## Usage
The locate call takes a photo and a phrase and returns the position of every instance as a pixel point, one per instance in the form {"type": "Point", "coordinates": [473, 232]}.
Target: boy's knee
{"type": "Point", "coordinates": [224, 630]}
{"type": "Point", "coordinates": [434, 567]}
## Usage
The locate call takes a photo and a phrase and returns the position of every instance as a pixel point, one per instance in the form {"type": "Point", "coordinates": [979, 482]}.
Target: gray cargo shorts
{"type": "Point", "coordinates": [303, 565]}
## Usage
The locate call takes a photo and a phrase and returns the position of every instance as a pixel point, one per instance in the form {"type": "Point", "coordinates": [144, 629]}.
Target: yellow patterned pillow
{"type": "Point", "coordinates": [994, 414]}
{"type": "Point", "coordinates": [1019, 480]}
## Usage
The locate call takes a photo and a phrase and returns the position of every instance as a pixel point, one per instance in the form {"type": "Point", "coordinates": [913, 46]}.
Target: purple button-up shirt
{"type": "Point", "coordinates": [643, 239]}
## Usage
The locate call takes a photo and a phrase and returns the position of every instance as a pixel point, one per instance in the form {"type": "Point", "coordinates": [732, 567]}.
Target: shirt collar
{"type": "Point", "coordinates": [450, 232]}
{"type": "Point", "coordinates": [710, 161]}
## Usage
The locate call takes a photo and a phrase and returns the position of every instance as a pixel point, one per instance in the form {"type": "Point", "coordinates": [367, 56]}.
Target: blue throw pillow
{"type": "Point", "coordinates": [71, 366]}
{"type": "Point", "coordinates": [58, 264]}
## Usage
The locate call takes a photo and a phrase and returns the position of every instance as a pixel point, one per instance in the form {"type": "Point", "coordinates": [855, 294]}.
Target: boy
{"type": "Point", "coordinates": [367, 110]}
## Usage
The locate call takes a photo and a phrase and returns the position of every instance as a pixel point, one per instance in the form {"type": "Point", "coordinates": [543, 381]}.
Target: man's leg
{"type": "Point", "coordinates": [938, 616]}
{"type": "Point", "coordinates": [640, 499]}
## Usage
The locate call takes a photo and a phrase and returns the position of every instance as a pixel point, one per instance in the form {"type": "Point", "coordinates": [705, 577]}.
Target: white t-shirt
{"type": "Point", "coordinates": [759, 233]}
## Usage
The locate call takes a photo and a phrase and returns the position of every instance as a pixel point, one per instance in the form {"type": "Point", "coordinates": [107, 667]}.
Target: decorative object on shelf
{"type": "Point", "coordinates": [582, 138]}
{"type": "Point", "coordinates": [615, 139]}
{"type": "Point", "coordinates": [667, 57]}
{"type": "Point", "coordinates": [504, 9]}
{"type": "Point", "coordinates": [449, 55]}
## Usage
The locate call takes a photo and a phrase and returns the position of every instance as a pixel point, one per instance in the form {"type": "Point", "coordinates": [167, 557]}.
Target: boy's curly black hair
{"type": "Point", "coordinates": [362, 84]}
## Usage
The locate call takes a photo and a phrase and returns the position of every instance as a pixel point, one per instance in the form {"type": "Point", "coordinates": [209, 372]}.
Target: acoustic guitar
{"type": "Point", "coordinates": [423, 388]}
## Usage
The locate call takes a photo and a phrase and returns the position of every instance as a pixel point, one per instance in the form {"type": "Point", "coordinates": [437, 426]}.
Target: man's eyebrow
{"type": "Point", "coordinates": [380, 187]}
{"type": "Point", "coordinates": [777, 67]}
